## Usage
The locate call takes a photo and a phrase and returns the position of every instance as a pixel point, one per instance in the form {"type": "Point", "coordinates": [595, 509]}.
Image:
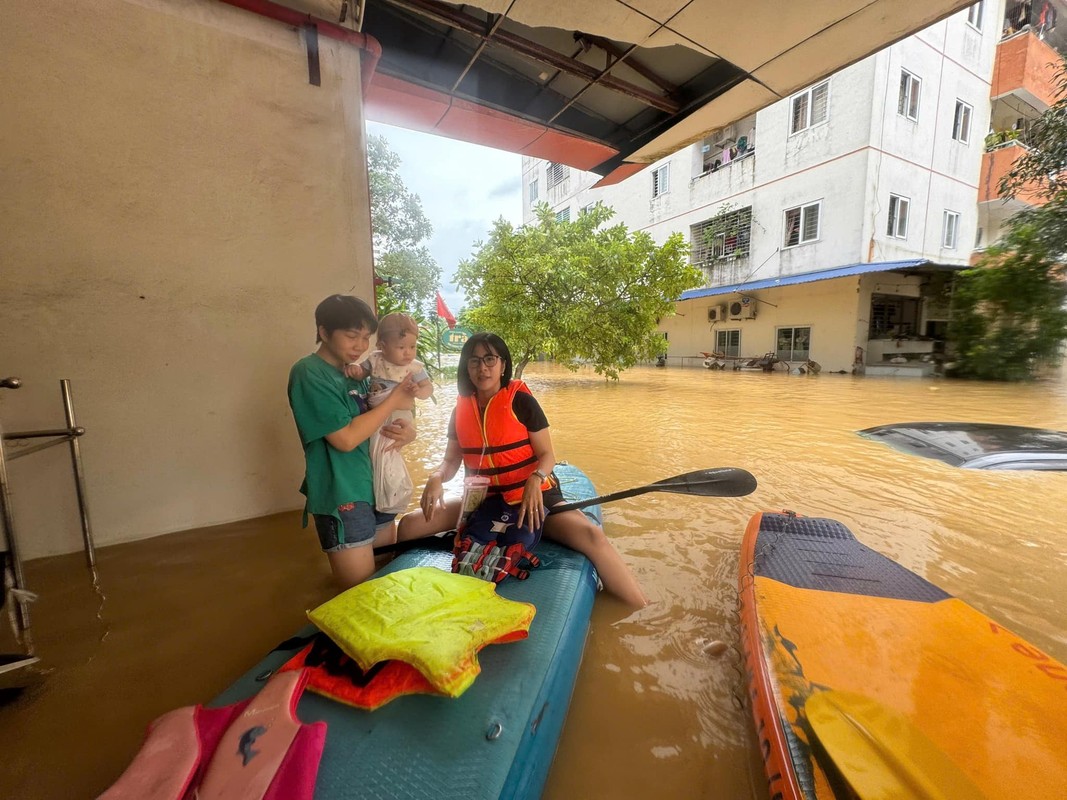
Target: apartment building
{"type": "Point", "coordinates": [829, 224]}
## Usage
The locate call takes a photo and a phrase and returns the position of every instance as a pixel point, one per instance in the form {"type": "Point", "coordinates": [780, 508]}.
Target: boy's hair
{"type": "Point", "coordinates": [396, 325]}
{"type": "Point", "coordinates": [343, 312]}
{"type": "Point", "coordinates": [492, 343]}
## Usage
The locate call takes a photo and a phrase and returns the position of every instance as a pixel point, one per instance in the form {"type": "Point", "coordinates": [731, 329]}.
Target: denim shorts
{"type": "Point", "coordinates": [357, 529]}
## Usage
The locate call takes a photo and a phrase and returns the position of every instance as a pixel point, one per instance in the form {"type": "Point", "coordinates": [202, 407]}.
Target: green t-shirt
{"type": "Point", "coordinates": [324, 400]}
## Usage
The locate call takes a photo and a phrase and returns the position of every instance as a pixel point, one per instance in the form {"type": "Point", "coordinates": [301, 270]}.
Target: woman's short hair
{"type": "Point", "coordinates": [494, 344]}
{"type": "Point", "coordinates": [395, 325]}
{"type": "Point", "coordinates": [343, 312]}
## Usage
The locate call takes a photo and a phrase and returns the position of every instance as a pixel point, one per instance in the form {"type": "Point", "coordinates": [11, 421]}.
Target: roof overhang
{"type": "Point", "coordinates": [913, 266]}
{"type": "Point", "coordinates": [605, 85]}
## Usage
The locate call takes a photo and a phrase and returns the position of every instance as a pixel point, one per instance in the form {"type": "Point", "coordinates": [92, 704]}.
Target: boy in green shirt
{"type": "Point", "coordinates": [335, 427]}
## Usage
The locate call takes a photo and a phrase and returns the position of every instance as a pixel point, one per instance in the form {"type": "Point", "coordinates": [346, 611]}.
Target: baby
{"type": "Point", "coordinates": [386, 367]}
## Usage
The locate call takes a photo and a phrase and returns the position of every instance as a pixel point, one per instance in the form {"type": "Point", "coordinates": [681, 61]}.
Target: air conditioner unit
{"type": "Point", "coordinates": [716, 313]}
{"type": "Point", "coordinates": [745, 308]}
{"type": "Point", "coordinates": [724, 135]}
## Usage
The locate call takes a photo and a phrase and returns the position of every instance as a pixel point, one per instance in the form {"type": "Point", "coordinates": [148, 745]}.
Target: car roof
{"type": "Point", "coordinates": [977, 445]}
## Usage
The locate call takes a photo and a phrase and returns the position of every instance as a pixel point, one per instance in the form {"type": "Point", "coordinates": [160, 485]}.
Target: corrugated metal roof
{"type": "Point", "coordinates": [818, 275]}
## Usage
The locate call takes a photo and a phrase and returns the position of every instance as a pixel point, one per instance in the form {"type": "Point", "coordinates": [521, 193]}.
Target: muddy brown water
{"type": "Point", "coordinates": [653, 715]}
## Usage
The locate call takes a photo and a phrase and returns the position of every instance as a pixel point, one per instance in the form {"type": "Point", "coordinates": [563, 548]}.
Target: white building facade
{"type": "Point", "coordinates": [827, 225]}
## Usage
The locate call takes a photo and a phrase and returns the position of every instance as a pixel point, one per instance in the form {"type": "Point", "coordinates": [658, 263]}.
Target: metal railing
{"type": "Point", "coordinates": [55, 436]}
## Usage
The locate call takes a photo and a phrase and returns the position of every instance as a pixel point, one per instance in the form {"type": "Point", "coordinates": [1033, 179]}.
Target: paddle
{"type": "Point", "coordinates": [718, 482]}
{"type": "Point", "coordinates": [880, 753]}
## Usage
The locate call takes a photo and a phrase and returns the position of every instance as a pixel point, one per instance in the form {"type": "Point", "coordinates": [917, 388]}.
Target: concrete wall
{"type": "Point", "coordinates": [864, 151]}
{"type": "Point", "coordinates": [829, 307]}
{"type": "Point", "coordinates": [177, 198]}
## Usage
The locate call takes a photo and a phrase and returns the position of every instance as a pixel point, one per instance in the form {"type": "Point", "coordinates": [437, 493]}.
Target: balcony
{"type": "Point", "coordinates": [1032, 47]}
{"type": "Point", "coordinates": [996, 163]}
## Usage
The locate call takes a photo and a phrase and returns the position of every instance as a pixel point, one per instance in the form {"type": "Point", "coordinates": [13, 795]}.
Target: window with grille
{"type": "Point", "coordinates": [728, 342]}
{"type": "Point", "coordinates": [898, 217]}
{"type": "Point", "coordinates": [810, 107]}
{"type": "Point", "coordinates": [722, 237]}
{"type": "Point", "coordinates": [802, 224]}
{"type": "Point", "coordinates": [557, 173]}
{"type": "Point", "coordinates": [974, 15]}
{"type": "Point", "coordinates": [661, 180]}
{"type": "Point", "coordinates": [961, 122]}
{"type": "Point", "coordinates": [950, 230]}
{"type": "Point", "coordinates": [564, 215]}
{"type": "Point", "coordinates": [793, 344]}
{"type": "Point", "coordinates": [908, 101]}
{"type": "Point", "coordinates": [533, 191]}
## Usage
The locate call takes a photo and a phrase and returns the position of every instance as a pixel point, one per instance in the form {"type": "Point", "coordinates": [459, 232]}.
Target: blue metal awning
{"type": "Point", "coordinates": [818, 275]}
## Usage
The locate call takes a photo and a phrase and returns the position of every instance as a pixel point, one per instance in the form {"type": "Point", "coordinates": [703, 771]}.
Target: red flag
{"type": "Point", "coordinates": [444, 313]}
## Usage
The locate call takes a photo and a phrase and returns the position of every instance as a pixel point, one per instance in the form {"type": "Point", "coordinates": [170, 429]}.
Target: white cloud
{"type": "Point", "coordinates": [464, 188]}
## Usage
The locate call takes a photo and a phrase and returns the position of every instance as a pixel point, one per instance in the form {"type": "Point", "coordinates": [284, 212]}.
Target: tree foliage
{"type": "Point", "coordinates": [576, 290]}
{"type": "Point", "coordinates": [1008, 315]}
{"type": "Point", "coordinates": [400, 229]}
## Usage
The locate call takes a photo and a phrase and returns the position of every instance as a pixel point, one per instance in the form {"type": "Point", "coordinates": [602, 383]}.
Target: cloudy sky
{"type": "Point", "coordinates": [464, 188]}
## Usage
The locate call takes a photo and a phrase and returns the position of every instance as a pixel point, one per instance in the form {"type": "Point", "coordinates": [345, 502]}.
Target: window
{"type": "Point", "coordinates": [661, 180]}
{"type": "Point", "coordinates": [961, 123]}
{"type": "Point", "coordinates": [898, 217]}
{"type": "Point", "coordinates": [587, 208]}
{"type": "Point", "coordinates": [557, 173]}
{"type": "Point", "coordinates": [950, 230]}
{"type": "Point", "coordinates": [793, 344]}
{"type": "Point", "coordinates": [810, 108]}
{"type": "Point", "coordinates": [724, 236]}
{"type": "Point", "coordinates": [908, 103]}
{"type": "Point", "coordinates": [533, 191]}
{"type": "Point", "coordinates": [564, 215]}
{"type": "Point", "coordinates": [974, 15]}
{"type": "Point", "coordinates": [802, 224]}
{"type": "Point", "coordinates": [728, 342]}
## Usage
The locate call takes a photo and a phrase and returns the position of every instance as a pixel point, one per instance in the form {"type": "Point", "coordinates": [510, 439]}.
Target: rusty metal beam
{"type": "Point", "coordinates": [450, 16]}
{"type": "Point", "coordinates": [611, 48]}
{"type": "Point", "coordinates": [481, 46]}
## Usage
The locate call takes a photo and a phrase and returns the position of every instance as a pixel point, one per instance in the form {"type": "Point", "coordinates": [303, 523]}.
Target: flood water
{"type": "Point", "coordinates": [652, 714]}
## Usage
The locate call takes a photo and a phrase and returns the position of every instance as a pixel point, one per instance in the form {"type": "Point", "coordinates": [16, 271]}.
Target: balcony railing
{"type": "Point", "coordinates": [996, 163]}
{"type": "Point", "coordinates": [728, 271]}
{"type": "Point", "coordinates": [1026, 66]}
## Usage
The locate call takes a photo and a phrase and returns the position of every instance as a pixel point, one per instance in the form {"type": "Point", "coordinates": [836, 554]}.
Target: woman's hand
{"type": "Point", "coordinates": [401, 431]}
{"type": "Point", "coordinates": [433, 496]}
{"type": "Point", "coordinates": [532, 508]}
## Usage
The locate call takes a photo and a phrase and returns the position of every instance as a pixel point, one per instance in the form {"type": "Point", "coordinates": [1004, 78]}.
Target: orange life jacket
{"type": "Point", "coordinates": [497, 445]}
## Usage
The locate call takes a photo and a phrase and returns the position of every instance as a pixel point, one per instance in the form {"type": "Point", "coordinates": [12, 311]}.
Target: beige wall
{"type": "Point", "coordinates": [176, 198]}
{"type": "Point", "coordinates": [829, 307]}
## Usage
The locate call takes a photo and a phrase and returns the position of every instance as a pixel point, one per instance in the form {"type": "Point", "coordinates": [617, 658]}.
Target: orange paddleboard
{"type": "Point", "coordinates": [868, 681]}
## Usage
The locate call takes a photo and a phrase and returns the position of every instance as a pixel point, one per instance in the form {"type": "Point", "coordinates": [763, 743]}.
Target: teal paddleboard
{"type": "Point", "coordinates": [495, 741]}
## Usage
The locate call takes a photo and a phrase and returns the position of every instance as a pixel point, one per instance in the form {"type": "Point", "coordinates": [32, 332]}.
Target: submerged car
{"type": "Point", "coordinates": [976, 445]}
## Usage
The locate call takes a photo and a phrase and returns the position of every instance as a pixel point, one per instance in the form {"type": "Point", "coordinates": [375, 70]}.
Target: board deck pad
{"type": "Point", "coordinates": [821, 612]}
{"type": "Point", "coordinates": [495, 741]}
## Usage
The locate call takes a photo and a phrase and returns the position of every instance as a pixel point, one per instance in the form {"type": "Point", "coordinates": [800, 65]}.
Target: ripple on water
{"type": "Point", "coordinates": [647, 693]}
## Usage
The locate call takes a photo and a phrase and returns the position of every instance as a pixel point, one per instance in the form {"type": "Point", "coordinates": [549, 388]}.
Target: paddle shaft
{"type": "Point", "coordinates": [721, 482]}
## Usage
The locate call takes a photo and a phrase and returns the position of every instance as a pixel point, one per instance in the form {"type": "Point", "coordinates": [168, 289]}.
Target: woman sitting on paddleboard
{"type": "Point", "coordinates": [499, 430]}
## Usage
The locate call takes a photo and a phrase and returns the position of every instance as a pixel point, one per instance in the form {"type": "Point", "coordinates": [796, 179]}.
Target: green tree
{"type": "Point", "coordinates": [1008, 316]}
{"type": "Point", "coordinates": [575, 290]}
{"type": "Point", "coordinates": [400, 229]}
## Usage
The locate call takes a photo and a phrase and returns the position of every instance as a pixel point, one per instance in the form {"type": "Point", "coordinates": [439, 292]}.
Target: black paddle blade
{"type": "Point", "coordinates": [718, 482]}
